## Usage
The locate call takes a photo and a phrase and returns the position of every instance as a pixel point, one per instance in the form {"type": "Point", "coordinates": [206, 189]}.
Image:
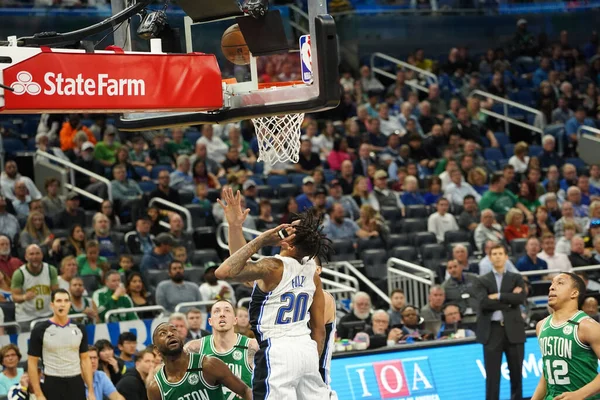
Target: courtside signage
{"type": "Point", "coordinates": [78, 81]}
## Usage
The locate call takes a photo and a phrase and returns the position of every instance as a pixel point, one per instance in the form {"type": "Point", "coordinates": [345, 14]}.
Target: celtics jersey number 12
{"type": "Point", "coordinates": [236, 360]}
{"type": "Point", "coordinates": [568, 363]}
{"type": "Point", "coordinates": [191, 387]}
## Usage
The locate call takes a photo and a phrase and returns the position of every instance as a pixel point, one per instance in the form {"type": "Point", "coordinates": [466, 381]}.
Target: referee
{"type": "Point", "coordinates": [63, 348]}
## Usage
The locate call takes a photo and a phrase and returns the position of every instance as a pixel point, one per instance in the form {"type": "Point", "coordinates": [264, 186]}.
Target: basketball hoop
{"type": "Point", "coordinates": [278, 136]}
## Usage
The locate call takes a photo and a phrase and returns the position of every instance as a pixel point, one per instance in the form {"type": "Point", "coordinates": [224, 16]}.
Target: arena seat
{"type": "Point", "coordinates": [205, 238]}
{"type": "Point", "coordinates": [186, 197]}
{"type": "Point", "coordinates": [406, 253]}
{"type": "Point", "coordinates": [265, 191]}
{"type": "Point", "coordinates": [287, 190]}
{"type": "Point", "coordinates": [147, 186]}
{"type": "Point", "coordinates": [343, 250]}
{"type": "Point", "coordinates": [493, 154]}
{"type": "Point", "coordinates": [421, 238]}
{"type": "Point", "coordinates": [156, 276]}
{"type": "Point", "coordinates": [193, 274]}
{"type": "Point", "coordinates": [375, 261]}
{"type": "Point", "coordinates": [91, 282]}
{"type": "Point", "coordinates": [517, 247]}
{"type": "Point", "coordinates": [417, 211]}
{"type": "Point", "coordinates": [457, 236]}
{"type": "Point", "coordinates": [275, 181]}
{"type": "Point", "coordinates": [412, 225]}
{"type": "Point", "coordinates": [390, 213]}
{"type": "Point", "coordinates": [369, 243]}
{"type": "Point", "coordinates": [202, 256]}
{"type": "Point", "coordinates": [397, 239]}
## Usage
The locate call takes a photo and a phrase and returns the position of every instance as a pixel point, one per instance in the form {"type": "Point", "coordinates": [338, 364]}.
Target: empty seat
{"type": "Point", "coordinates": [193, 274]}
{"type": "Point", "coordinates": [417, 211]}
{"type": "Point", "coordinates": [199, 214]}
{"type": "Point", "coordinates": [156, 276]}
{"type": "Point", "coordinates": [493, 154]}
{"type": "Point", "coordinates": [296, 179]}
{"type": "Point", "coordinates": [60, 233]}
{"type": "Point", "coordinates": [205, 238]}
{"type": "Point", "coordinates": [390, 213]}
{"type": "Point", "coordinates": [278, 205]}
{"type": "Point", "coordinates": [398, 239]}
{"type": "Point", "coordinates": [186, 197]}
{"type": "Point", "coordinates": [517, 247]}
{"type": "Point", "coordinates": [213, 195]}
{"type": "Point", "coordinates": [343, 250]}
{"type": "Point", "coordinates": [265, 191]}
{"type": "Point", "coordinates": [421, 238]}
{"type": "Point", "coordinates": [431, 251]}
{"type": "Point", "coordinates": [369, 243]}
{"type": "Point", "coordinates": [456, 236]}
{"type": "Point", "coordinates": [509, 150]}
{"type": "Point", "coordinates": [276, 180]}
{"type": "Point", "coordinates": [412, 225]}
{"type": "Point", "coordinates": [147, 186]}
{"type": "Point", "coordinates": [502, 138]}
{"type": "Point", "coordinates": [287, 190]}
{"type": "Point", "coordinates": [406, 253]}
{"type": "Point", "coordinates": [201, 257]}
{"type": "Point", "coordinates": [375, 261]}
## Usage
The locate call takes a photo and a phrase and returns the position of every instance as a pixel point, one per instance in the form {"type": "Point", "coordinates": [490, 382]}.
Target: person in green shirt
{"type": "Point", "coordinates": [179, 145]}
{"type": "Point", "coordinates": [105, 150]}
{"type": "Point", "coordinates": [236, 141]}
{"type": "Point", "coordinates": [500, 200]}
{"type": "Point", "coordinates": [91, 262]}
{"type": "Point", "coordinates": [528, 196]}
{"type": "Point", "coordinates": [113, 296]}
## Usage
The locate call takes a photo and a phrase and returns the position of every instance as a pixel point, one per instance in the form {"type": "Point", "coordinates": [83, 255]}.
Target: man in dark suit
{"type": "Point", "coordinates": [361, 164]}
{"type": "Point", "coordinates": [500, 326]}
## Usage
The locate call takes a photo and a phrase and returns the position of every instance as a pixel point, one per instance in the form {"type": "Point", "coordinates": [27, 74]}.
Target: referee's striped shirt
{"type": "Point", "coordinates": [59, 347]}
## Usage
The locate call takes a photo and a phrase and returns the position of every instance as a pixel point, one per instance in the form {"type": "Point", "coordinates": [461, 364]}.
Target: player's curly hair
{"type": "Point", "coordinates": [310, 239]}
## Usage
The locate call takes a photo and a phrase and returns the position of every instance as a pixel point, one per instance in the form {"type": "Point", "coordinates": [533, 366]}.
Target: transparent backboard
{"type": "Point", "coordinates": [247, 98]}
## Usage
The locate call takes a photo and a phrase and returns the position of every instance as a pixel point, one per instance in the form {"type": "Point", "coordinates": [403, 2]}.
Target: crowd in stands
{"type": "Point", "coordinates": [427, 178]}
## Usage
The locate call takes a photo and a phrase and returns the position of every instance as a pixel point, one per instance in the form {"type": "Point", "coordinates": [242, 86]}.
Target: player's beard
{"type": "Point", "coordinates": [172, 352]}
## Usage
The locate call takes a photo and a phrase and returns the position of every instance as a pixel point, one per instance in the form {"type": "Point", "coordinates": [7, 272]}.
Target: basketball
{"type": "Point", "coordinates": [234, 47]}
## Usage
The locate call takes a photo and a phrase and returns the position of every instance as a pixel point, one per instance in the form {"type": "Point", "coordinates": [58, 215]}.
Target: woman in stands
{"type": "Point", "coordinates": [5, 291]}
{"type": "Point", "coordinates": [155, 227]}
{"type": "Point", "coordinates": [478, 179]}
{"type": "Point", "coordinates": [515, 229]}
{"type": "Point", "coordinates": [265, 216]}
{"type": "Point", "coordinates": [434, 191]}
{"type": "Point", "coordinates": [338, 154]}
{"type": "Point", "coordinates": [112, 366]}
{"type": "Point", "coordinates": [91, 263]}
{"type": "Point", "coordinates": [243, 322]}
{"type": "Point", "coordinates": [528, 196]}
{"type": "Point", "coordinates": [68, 270]}
{"type": "Point", "coordinates": [75, 245]}
{"type": "Point", "coordinates": [291, 208]}
{"type": "Point", "coordinates": [122, 157]}
{"type": "Point", "coordinates": [371, 222]}
{"type": "Point", "coordinates": [36, 232]}
{"type": "Point", "coordinates": [360, 194]}
{"type": "Point", "coordinates": [139, 295]}
{"type": "Point", "coordinates": [202, 175]}
{"type": "Point", "coordinates": [520, 160]}
{"type": "Point", "coordinates": [107, 209]}
{"type": "Point", "coordinates": [542, 222]}
{"type": "Point", "coordinates": [11, 374]}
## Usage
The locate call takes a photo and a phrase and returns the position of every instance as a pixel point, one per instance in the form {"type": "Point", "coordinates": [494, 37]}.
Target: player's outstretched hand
{"type": "Point", "coordinates": [273, 237]}
{"type": "Point", "coordinates": [232, 208]}
{"type": "Point", "coordinates": [568, 396]}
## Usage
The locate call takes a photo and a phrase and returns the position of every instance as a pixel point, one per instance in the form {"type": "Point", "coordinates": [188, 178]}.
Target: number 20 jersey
{"type": "Point", "coordinates": [568, 364]}
{"type": "Point", "coordinates": [284, 310]}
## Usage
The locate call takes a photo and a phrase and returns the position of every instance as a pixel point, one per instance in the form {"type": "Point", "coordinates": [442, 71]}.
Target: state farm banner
{"type": "Point", "coordinates": [102, 82]}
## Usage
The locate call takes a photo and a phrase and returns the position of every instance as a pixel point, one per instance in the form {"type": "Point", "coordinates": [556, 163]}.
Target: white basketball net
{"type": "Point", "coordinates": [278, 138]}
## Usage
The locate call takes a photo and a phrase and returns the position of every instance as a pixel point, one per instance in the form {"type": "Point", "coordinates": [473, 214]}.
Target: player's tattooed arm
{"type": "Point", "coordinates": [238, 266]}
{"type": "Point", "coordinates": [317, 315]}
{"type": "Point", "coordinates": [193, 346]}
{"type": "Point", "coordinates": [217, 373]}
{"type": "Point", "coordinates": [252, 349]}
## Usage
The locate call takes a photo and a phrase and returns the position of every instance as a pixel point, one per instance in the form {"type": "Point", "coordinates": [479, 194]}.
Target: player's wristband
{"type": "Point", "coordinates": [115, 298]}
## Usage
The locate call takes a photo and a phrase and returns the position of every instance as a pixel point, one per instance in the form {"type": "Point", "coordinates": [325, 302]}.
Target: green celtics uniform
{"type": "Point", "coordinates": [191, 386]}
{"type": "Point", "coordinates": [568, 364]}
{"type": "Point", "coordinates": [236, 359]}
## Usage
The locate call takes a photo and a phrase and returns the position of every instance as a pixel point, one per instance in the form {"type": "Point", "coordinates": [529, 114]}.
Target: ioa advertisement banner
{"type": "Point", "coordinates": [445, 372]}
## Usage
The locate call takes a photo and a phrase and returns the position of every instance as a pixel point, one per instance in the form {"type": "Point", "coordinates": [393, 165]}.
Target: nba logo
{"type": "Point", "coordinates": [306, 59]}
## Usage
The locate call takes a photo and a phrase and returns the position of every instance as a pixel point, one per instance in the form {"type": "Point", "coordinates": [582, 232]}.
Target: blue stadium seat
{"type": "Point", "coordinates": [276, 180]}
{"type": "Point", "coordinates": [493, 154]}
{"type": "Point", "coordinates": [12, 145]}
{"type": "Point", "coordinates": [141, 171]}
{"type": "Point", "coordinates": [257, 179]}
{"type": "Point", "coordinates": [296, 179]}
{"type": "Point", "coordinates": [502, 138]}
{"type": "Point", "coordinates": [406, 253]}
{"type": "Point", "coordinates": [192, 136]}
{"type": "Point", "coordinates": [502, 163]}
{"type": "Point", "coordinates": [147, 186]}
{"type": "Point", "coordinates": [509, 150]}
{"type": "Point", "coordinates": [259, 168]}
{"type": "Point", "coordinates": [31, 146]}
{"type": "Point", "coordinates": [535, 151]}
{"type": "Point", "coordinates": [329, 175]}
{"type": "Point", "coordinates": [30, 127]}
{"type": "Point", "coordinates": [157, 168]}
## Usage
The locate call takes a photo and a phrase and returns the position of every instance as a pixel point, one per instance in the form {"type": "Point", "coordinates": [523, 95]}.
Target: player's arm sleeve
{"type": "Point", "coordinates": [83, 346]}
{"type": "Point", "coordinates": [317, 315]}
{"type": "Point", "coordinates": [36, 341]}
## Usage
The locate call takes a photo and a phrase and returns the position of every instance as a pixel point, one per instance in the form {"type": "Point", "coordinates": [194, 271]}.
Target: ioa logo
{"type": "Point", "coordinates": [100, 85]}
{"type": "Point", "coordinates": [409, 378]}
{"type": "Point", "coordinates": [25, 84]}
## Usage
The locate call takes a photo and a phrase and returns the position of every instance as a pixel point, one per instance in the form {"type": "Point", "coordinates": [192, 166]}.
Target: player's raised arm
{"type": "Point", "coordinates": [152, 389]}
{"type": "Point", "coordinates": [317, 315]}
{"type": "Point", "coordinates": [235, 217]}
{"type": "Point", "coordinates": [589, 333]}
{"type": "Point", "coordinates": [238, 266]}
{"type": "Point", "coordinates": [540, 390]}
{"type": "Point", "coordinates": [193, 346]}
{"type": "Point", "coordinates": [216, 372]}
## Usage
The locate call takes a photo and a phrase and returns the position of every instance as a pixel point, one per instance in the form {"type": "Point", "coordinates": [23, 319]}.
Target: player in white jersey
{"type": "Point", "coordinates": [285, 290]}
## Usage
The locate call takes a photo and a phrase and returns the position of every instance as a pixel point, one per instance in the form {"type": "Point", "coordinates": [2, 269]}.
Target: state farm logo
{"type": "Point", "coordinates": [25, 84]}
{"type": "Point", "coordinates": [96, 85]}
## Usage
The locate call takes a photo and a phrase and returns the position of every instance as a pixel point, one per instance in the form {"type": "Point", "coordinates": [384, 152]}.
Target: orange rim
{"type": "Point", "coordinates": [267, 85]}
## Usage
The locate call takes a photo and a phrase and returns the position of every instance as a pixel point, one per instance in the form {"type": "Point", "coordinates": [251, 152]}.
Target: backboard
{"type": "Point", "coordinates": [248, 99]}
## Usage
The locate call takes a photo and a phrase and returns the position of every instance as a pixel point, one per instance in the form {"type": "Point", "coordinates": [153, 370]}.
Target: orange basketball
{"type": "Point", "coordinates": [234, 47]}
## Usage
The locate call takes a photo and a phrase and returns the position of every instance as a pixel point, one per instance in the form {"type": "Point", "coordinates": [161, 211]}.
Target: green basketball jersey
{"type": "Point", "coordinates": [568, 364]}
{"type": "Point", "coordinates": [236, 359]}
{"type": "Point", "coordinates": [191, 387]}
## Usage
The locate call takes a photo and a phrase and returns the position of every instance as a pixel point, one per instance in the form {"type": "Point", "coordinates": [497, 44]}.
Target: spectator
{"type": "Point", "coordinates": [106, 208]}
{"type": "Point", "coordinates": [411, 327]}
{"type": "Point", "coordinates": [477, 178]}
{"type": "Point", "coordinates": [11, 374]}
{"type": "Point", "coordinates": [574, 196]}
{"type": "Point", "coordinates": [441, 221]}
{"type": "Point", "coordinates": [556, 261]}
{"type": "Point", "coordinates": [376, 139]}
{"type": "Point", "coordinates": [470, 216]}
{"type": "Point", "coordinates": [339, 154]}
{"type": "Point", "coordinates": [201, 197]}
{"type": "Point", "coordinates": [437, 103]}
{"type": "Point", "coordinates": [155, 219]}
{"type": "Point", "coordinates": [580, 256]}
{"type": "Point", "coordinates": [382, 196]}
{"type": "Point", "coordinates": [308, 160]}
{"type": "Point", "coordinates": [132, 385]}
{"type": "Point", "coordinates": [361, 164]}
{"type": "Point", "coordinates": [460, 254]}
{"type": "Point", "coordinates": [180, 179]}
{"type": "Point", "coordinates": [31, 286]}
{"type": "Point", "coordinates": [569, 177]}
{"type": "Point", "coordinates": [360, 315]}
{"type": "Point", "coordinates": [389, 123]}
{"type": "Point", "coordinates": [360, 194]}
{"type": "Point", "coordinates": [500, 200]}
{"type": "Point", "coordinates": [85, 159]}
{"type": "Point", "coordinates": [562, 113]}
{"type": "Point", "coordinates": [432, 311]}
{"type": "Point", "coordinates": [136, 290]}
{"type": "Point", "coordinates": [9, 224]}
{"type": "Point", "coordinates": [194, 320]}
{"type": "Point", "coordinates": [595, 176]}
{"type": "Point", "coordinates": [574, 123]}
{"type": "Point", "coordinates": [368, 82]}
{"type": "Point", "coordinates": [113, 296]}
{"type": "Point", "coordinates": [164, 190]}
{"type": "Point", "coordinates": [591, 286]}
{"type": "Point", "coordinates": [542, 222]}
{"type": "Point", "coordinates": [141, 240]}
{"type": "Point", "coordinates": [451, 324]}
{"type": "Point", "coordinates": [159, 155]}
{"type": "Point", "coordinates": [459, 288]}
{"type": "Point", "coordinates": [568, 215]}
{"type": "Point", "coordinates": [426, 119]}
{"type": "Point", "coordinates": [515, 229]}
{"type": "Point", "coordinates": [411, 195]}
{"type": "Point", "coordinates": [71, 215]}
{"type": "Point", "coordinates": [75, 243]}
{"type": "Point", "coordinates": [530, 261]}
{"type": "Point", "coordinates": [36, 232]}
{"type": "Point", "coordinates": [563, 245]}
{"type": "Point", "coordinates": [181, 237]}
{"type": "Point", "coordinates": [336, 196]}
{"type": "Point", "coordinates": [123, 189]}
{"type": "Point", "coordinates": [541, 74]}
{"type": "Point", "coordinates": [8, 263]}
{"type": "Point", "coordinates": [397, 303]}
{"type": "Point", "coordinates": [380, 334]}
{"type": "Point", "coordinates": [233, 163]}
{"type": "Point", "coordinates": [178, 145]}
{"type": "Point", "coordinates": [52, 202]}
{"type": "Point", "coordinates": [127, 344]}
{"type": "Point", "coordinates": [588, 193]}
{"type": "Point", "coordinates": [21, 199]}
{"type": "Point", "coordinates": [112, 366]}
{"type": "Point", "coordinates": [160, 257]}
{"type": "Point", "coordinates": [520, 159]}
{"type": "Point", "coordinates": [176, 290]}
{"type": "Point", "coordinates": [372, 223]}
{"type": "Point", "coordinates": [488, 229]}
{"type": "Point", "coordinates": [213, 288]}
{"type": "Point", "coordinates": [201, 155]}
{"type": "Point", "coordinates": [138, 156]}
{"type": "Point", "coordinates": [81, 304]}
{"type": "Point", "coordinates": [590, 307]}
{"type": "Point", "coordinates": [214, 145]}
{"type": "Point", "coordinates": [105, 150]}
{"type": "Point", "coordinates": [109, 244]}
{"type": "Point", "coordinates": [306, 199]}
{"type": "Point", "coordinates": [457, 189]}
{"type": "Point", "coordinates": [338, 227]}
{"type": "Point", "coordinates": [347, 177]}
{"type": "Point", "coordinates": [70, 129]}
{"type": "Point", "coordinates": [485, 265]}
{"type": "Point", "coordinates": [179, 321]}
